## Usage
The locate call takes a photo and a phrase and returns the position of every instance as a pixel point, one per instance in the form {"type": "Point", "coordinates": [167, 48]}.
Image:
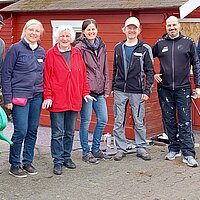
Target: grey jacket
{"type": "Point", "coordinates": [2, 49]}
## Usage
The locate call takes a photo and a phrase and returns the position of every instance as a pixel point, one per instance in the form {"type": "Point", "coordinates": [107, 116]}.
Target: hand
{"type": "Point", "coordinates": [9, 106]}
{"type": "Point", "coordinates": [197, 91]}
{"type": "Point", "coordinates": [86, 97]}
{"type": "Point", "coordinates": [46, 103]}
{"type": "Point", "coordinates": [158, 78]}
{"type": "Point", "coordinates": [144, 97]}
{"type": "Point", "coordinates": [106, 96]}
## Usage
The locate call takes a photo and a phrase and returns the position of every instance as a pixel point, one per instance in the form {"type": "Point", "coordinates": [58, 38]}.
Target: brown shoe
{"type": "Point", "coordinates": [30, 169]}
{"type": "Point", "coordinates": [18, 172]}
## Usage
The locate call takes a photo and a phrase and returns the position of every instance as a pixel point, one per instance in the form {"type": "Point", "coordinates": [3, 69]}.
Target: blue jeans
{"type": "Point", "coordinates": [62, 134]}
{"type": "Point", "coordinates": [26, 121]}
{"type": "Point", "coordinates": [100, 110]}
{"type": "Point", "coordinates": [177, 120]}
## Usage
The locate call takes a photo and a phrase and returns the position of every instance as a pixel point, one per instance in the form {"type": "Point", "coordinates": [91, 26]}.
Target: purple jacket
{"type": "Point", "coordinates": [96, 67]}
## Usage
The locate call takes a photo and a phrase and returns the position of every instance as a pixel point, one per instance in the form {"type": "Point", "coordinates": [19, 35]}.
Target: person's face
{"type": "Point", "coordinates": [64, 40]}
{"type": "Point", "coordinates": [32, 33]}
{"type": "Point", "coordinates": [90, 32]}
{"type": "Point", "coordinates": [131, 31]}
{"type": "Point", "coordinates": [172, 27]}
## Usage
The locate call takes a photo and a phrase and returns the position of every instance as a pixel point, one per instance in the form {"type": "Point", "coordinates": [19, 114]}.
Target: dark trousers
{"type": "Point", "coordinates": [62, 134]}
{"type": "Point", "coordinates": [177, 120]}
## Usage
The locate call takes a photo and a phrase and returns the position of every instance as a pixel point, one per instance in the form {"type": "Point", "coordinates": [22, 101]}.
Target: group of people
{"type": "Point", "coordinates": [67, 80]}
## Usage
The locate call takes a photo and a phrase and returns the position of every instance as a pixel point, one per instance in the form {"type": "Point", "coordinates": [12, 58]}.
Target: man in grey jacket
{"type": "Point", "coordinates": [133, 61]}
{"type": "Point", "coordinates": [2, 48]}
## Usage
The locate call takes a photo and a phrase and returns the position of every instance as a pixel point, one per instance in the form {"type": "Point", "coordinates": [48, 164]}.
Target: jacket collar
{"type": "Point", "coordinates": [166, 36]}
{"type": "Point", "coordinates": [24, 42]}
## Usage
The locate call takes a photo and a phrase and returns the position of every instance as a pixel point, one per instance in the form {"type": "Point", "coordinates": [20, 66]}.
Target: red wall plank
{"type": "Point", "coordinates": [110, 24]}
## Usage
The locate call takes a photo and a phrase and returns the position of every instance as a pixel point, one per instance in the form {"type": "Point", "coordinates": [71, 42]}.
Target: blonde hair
{"type": "Point", "coordinates": [30, 23]}
{"type": "Point", "coordinates": [65, 28]}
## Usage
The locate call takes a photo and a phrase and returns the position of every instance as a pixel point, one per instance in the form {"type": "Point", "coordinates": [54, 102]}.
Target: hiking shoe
{"type": "Point", "coordinates": [119, 155]}
{"type": "Point", "coordinates": [18, 172]}
{"type": "Point", "coordinates": [30, 169]}
{"type": "Point", "coordinates": [190, 161]}
{"type": "Point", "coordinates": [144, 155]}
{"type": "Point", "coordinates": [69, 164]}
{"type": "Point", "coordinates": [172, 155]}
{"type": "Point", "coordinates": [57, 170]}
{"type": "Point", "coordinates": [100, 155]}
{"type": "Point", "coordinates": [89, 158]}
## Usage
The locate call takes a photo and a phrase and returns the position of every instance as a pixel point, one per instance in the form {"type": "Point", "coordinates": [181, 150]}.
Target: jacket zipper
{"type": "Point", "coordinates": [173, 70]}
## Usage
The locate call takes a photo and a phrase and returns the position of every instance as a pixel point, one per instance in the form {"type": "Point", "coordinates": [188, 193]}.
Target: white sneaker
{"type": "Point", "coordinates": [172, 155]}
{"type": "Point", "coordinates": [190, 161]}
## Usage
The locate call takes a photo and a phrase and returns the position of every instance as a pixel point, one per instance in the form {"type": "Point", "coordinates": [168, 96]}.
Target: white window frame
{"type": "Point", "coordinates": [76, 25]}
{"type": "Point", "coordinates": [190, 20]}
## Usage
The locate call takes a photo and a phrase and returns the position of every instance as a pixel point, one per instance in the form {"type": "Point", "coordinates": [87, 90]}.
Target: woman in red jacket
{"type": "Point", "coordinates": [65, 84]}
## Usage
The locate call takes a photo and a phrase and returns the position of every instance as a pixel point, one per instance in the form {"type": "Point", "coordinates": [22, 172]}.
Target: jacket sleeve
{"type": "Point", "coordinates": [6, 76]}
{"type": "Point", "coordinates": [47, 75]}
{"type": "Point", "coordinates": [86, 89]}
{"type": "Point", "coordinates": [195, 62]}
{"type": "Point", "coordinates": [114, 70]}
{"type": "Point", "coordinates": [155, 50]}
{"type": "Point", "coordinates": [198, 48]}
{"type": "Point", "coordinates": [106, 74]}
{"type": "Point", "coordinates": [2, 49]}
{"type": "Point", "coordinates": [149, 70]}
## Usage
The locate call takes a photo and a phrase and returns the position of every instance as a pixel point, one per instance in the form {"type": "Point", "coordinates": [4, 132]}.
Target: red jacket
{"type": "Point", "coordinates": [65, 85]}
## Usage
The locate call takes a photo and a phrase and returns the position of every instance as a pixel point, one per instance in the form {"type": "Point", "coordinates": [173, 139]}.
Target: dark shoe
{"type": "Point", "coordinates": [57, 170]}
{"type": "Point", "coordinates": [119, 156]}
{"type": "Point", "coordinates": [100, 155]}
{"type": "Point", "coordinates": [18, 172]}
{"type": "Point", "coordinates": [69, 164]}
{"type": "Point", "coordinates": [144, 155]}
{"type": "Point", "coordinates": [89, 158]}
{"type": "Point", "coordinates": [30, 169]}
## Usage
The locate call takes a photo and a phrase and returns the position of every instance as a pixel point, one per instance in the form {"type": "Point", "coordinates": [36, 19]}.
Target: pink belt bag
{"type": "Point", "coordinates": [19, 101]}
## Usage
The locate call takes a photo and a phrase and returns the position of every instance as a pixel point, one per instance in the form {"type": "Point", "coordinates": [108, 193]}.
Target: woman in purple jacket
{"type": "Point", "coordinates": [95, 57]}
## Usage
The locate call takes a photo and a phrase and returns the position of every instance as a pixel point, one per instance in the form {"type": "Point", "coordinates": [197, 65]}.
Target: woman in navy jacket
{"type": "Point", "coordinates": [22, 84]}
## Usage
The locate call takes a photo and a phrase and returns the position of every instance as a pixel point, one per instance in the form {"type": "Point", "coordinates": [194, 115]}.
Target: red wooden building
{"type": "Point", "coordinates": [110, 16]}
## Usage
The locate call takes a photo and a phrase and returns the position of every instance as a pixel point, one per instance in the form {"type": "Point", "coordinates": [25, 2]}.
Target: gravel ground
{"type": "Point", "coordinates": [129, 179]}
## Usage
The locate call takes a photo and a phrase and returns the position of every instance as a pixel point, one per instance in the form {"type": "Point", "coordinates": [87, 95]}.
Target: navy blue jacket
{"type": "Point", "coordinates": [176, 57]}
{"type": "Point", "coordinates": [22, 73]}
{"type": "Point", "coordinates": [131, 79]}
{"type": "Point", "coordinates": [198, 48]}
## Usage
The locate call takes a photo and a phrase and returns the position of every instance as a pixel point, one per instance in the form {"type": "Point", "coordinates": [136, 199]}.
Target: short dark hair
{"type": "Point", "coordinates": [87, 22]}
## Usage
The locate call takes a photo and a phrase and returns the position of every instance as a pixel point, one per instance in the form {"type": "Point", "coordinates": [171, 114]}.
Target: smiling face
{"type": "Point", "coordinates": [90, 32]}
{"type": "Point", "coordinates": [32, 33]}
{"type": "Point", "coordinates": [172, 27]}
{"type": "Point", "coordinates": [131, 32]}
{"type": "Point", "coordinates": [64, 40]}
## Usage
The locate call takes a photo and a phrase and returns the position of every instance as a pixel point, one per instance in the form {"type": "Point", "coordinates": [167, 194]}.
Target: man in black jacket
{"type": "Point", "coordinates": [176, 54]}
{"type": "Point", "coordinates": [133, 60]}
